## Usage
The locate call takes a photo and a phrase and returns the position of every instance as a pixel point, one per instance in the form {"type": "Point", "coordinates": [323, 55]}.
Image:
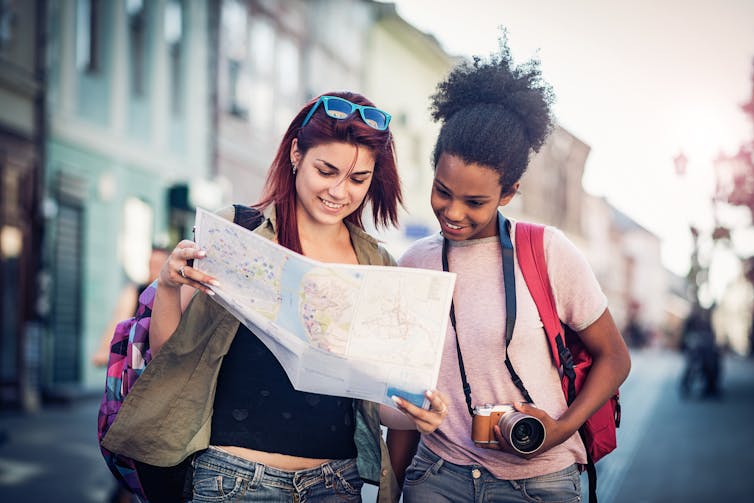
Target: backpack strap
{"type": "Point", "coordinates": [247, 216]}
{"type": "Point", "coordinates": [510, 316]}
{"type": "Point", "coordinates": [530, 251]}
{"type": "Point", "coordinates": [509, 282]}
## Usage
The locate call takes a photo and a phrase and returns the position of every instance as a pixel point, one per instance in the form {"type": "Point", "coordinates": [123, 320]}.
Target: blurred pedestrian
{"type": "Point", "coordinates": [702, 354]}
{"type": "Point", "coordinates": [128, 300]}
{"type": "Point", "coordinates": [634, 333]}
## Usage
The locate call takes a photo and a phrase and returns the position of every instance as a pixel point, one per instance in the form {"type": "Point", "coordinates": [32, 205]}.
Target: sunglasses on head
{"type": "Point", "coordinates": [340, 108]}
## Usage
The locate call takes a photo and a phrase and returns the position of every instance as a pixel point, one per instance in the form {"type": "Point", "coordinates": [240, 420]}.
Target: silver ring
{"type": "Point", "coordinates": [182, 271]}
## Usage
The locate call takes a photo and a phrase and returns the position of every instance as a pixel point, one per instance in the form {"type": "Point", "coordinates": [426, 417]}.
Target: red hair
{"type": "Point", "coordinates": [280, 187]}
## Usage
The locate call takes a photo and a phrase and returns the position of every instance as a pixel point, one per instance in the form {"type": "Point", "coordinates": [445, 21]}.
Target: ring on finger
{"type": "Point", "coordinates": [182, 270]}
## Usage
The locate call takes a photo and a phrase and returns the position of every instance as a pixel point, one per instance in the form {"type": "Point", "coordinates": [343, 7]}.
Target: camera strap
{"type": "Point", "coordinates": [509, 282]}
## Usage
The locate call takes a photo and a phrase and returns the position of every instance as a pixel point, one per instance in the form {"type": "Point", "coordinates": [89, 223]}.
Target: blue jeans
{"type": "Point", "coordinates": [220, 476]}
{"type": "Point", "coordinates": [430, 478]}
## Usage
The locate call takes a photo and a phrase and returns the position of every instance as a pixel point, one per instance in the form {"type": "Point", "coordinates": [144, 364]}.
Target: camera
{"type": "Point", "coordinates": [524, 433]}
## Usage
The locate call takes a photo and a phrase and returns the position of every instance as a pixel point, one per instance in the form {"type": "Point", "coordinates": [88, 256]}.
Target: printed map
{"type": "Point", "coordinates": [349, 330]}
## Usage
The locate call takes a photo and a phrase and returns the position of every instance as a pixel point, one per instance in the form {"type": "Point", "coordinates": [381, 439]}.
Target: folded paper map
{"type": "Point", "coordinates": [357, 331]}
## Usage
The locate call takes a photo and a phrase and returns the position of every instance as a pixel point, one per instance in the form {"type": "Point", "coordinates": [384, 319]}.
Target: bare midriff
{"type": "Point", "coordinates": [274, 460]}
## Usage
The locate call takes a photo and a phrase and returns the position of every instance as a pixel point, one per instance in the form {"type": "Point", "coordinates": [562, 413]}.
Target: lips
{"type": "Point", "coordinates": [451, 226]}
{"type": "Point", "coordinates": [451, 230]}
{"type": "Point", "coordinates": [331, 205]}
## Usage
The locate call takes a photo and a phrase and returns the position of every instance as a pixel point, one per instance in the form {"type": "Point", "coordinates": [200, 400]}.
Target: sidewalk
{"type": "Point", "coordinates": [692, 450]}
{"type": "Point", "coordinates": [53, 455]}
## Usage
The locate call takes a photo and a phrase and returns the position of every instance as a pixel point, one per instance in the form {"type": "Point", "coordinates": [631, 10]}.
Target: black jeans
{"type": "Point", "coordinates": [170, 484]}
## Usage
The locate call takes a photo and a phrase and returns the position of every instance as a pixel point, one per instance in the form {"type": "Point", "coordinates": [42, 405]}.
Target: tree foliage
{"type": "Point", "coordinates": [735, 175]}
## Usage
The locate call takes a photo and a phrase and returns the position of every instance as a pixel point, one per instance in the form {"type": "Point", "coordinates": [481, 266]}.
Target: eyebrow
{"type": "Point", "coordinates": [472, 197]}
{"type": "Point", "coordinates": [332, 166]}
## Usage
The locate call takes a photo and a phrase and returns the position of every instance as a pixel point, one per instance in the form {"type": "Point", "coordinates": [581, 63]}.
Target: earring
{"type": "Point", "coordinates": [293, 168]}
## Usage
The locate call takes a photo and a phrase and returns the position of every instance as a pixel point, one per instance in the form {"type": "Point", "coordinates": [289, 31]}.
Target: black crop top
{"type": "Point", "coordinates": [257, 408]}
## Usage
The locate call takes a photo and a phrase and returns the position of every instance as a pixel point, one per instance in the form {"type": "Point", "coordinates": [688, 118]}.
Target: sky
{"type": "Point", "coordinates": [639, 81]}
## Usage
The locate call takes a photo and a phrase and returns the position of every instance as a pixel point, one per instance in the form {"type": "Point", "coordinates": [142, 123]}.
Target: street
{"type": "Point", "coordinates": [669, 449]}
{"type": "Point", "coordinates": [675, 450]}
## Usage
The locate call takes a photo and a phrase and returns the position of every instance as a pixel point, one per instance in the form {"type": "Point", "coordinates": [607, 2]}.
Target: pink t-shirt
{"type": "Point", "coordinates": [479, 300]}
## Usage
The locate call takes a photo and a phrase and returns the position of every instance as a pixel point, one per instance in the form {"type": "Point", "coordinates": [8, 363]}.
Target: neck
{"type": "Point", "coordinates": [311, 231]}
{"type": "Point", "coordinates": [327, 243]}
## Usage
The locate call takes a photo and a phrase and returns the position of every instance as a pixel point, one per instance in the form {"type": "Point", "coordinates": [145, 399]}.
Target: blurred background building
{"type": "Point", "coordinates": [119, 117]}
{"type": "Point", "coordinates": [22, 150]}
{"type": "Point", "coordinates": [129, 120]}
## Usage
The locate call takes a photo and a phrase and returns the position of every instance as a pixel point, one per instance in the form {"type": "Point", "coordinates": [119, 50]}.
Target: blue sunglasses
{"type": "Point", "coordinates": [339, 108]}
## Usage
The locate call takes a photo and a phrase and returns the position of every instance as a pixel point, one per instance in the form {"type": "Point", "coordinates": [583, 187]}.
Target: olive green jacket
{"type": "Point", "coordinates": [168, 413]}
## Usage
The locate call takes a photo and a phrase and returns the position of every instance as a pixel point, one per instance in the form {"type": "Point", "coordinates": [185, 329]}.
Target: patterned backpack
{"type": "Point", "coordinates": [129, 355]}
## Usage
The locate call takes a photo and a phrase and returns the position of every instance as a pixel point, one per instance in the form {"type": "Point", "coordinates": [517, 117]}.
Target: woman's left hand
{"type": "Point", "coordinates": [425, 420]}
{"type": "Point", "coordinates": [555, 433]}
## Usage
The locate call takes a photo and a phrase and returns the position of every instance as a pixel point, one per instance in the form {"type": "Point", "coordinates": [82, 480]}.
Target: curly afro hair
{"type": "Point", "coordinates": [494, 113]}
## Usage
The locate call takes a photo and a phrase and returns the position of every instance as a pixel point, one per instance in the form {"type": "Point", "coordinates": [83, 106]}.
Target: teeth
{"type": "Point", "coordinates": [331, 205]}
{"type": "Point", "coordinates": [454, 227]}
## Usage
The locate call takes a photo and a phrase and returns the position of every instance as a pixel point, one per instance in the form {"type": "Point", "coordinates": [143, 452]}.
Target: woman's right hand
{"type": "Point", "coordinates": [177, 270]}
{"type": "Point", "coordinates": [413, 417]}
{"type": "Point", "coordinates": [171, 298]}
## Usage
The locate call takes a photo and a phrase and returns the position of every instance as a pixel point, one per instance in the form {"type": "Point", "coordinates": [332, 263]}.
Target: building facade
{"type": "Point", "coordinates": [404, 67]}
{"type": "Point", "coordinates": [22, 136]}
{"type": "Point", "coordinates": [551, 189]}
{"type": "Point", "coordinates": [639, 280]}
{"type": "Point", "coordinates": [272, 58]}
{"type": "Point", "coordinates": [625, 257]}
{"type": "Point", "coordinates": [129, 135]}
{"type": "Point", "coordinates": [119, 117]}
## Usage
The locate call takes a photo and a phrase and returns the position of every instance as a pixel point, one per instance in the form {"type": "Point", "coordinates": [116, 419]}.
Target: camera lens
{"type": "Point", "coordinates": [524, 432]}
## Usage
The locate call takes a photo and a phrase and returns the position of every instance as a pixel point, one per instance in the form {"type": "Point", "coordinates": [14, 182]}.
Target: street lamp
{"type": "Point", "coordinates": [696, 273]}
{"type": "Point", "coordinates": [681, 161]}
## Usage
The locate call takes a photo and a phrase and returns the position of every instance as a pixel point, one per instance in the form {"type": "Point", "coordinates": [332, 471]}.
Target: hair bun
{"type": "Point", "coordinates": [502, 86]}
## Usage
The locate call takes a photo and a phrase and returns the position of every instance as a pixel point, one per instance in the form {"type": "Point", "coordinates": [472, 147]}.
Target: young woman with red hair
{"type": "Point", "coordinates": [230, 405]}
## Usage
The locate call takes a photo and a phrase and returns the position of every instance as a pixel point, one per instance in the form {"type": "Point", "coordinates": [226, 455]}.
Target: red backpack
{"type": "Point", "coordinates": [568, 352]}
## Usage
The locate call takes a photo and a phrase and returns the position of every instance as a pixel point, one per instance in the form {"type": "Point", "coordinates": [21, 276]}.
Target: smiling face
{"type": "Point", "coordinates": [332, 181]}
{"type": "Point", "coordinates": [465, 198]}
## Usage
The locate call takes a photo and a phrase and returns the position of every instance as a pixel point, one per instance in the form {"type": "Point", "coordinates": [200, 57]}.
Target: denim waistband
{"type": "Point", "coordinates": [437, 462]}
{"type": "Point", "coordinates": [235, 466]}
{"type": "Point", "coordinates": [424, 452]}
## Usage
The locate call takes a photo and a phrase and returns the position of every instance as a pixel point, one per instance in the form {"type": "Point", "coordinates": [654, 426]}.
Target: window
{"type": "Point", "coordinates": [137, 45]}
{"type": "Point", "coordinates": [234, 27]}
{"type": "Point", "coordinates": [262, 47]}
{"type": "Point", "coordinates": [7, 23]}
{"type": "Point", "coordinates": [136, 238]}
{"type": "Point", "coordinates": [234, 32]}
{"type": "Point", "coordinates": [288, 81]}
{"type": "Point", "coordinates": [238, 92]}
{"type": "Point", "coordinates": [87, 36]}
{"type": "Point", "coordinates": [288, 67]}
{"type": "Point", "coordinates": [174, 36]}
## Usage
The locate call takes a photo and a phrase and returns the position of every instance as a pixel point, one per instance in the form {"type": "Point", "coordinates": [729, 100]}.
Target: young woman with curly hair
{"type": "Point", "coordinates": [494, 115]}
